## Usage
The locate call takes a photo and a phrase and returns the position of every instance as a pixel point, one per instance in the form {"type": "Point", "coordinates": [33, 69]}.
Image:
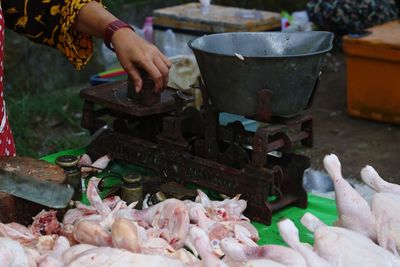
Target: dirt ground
{"type": "Point", "coordinates": [357, 142]}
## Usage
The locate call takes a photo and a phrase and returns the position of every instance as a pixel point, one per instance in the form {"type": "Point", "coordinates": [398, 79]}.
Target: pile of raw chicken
{"type": "Point", "coordinates": [208, 233]}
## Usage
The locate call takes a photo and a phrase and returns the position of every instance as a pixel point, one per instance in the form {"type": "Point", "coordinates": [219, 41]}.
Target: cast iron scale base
{"type": "Point", "coordinates": [190, 146]}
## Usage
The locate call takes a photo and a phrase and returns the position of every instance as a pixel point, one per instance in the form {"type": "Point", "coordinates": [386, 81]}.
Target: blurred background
{"type": "Point", "coordinates": [40, 126]}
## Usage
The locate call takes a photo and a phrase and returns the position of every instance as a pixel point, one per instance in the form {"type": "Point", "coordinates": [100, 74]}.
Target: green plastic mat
{"type": "Point", "coordinates": [323, 208]}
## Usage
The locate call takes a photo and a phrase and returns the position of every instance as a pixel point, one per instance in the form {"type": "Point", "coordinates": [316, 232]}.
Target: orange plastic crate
{"type": "Point", "coordinates": [373, 73]}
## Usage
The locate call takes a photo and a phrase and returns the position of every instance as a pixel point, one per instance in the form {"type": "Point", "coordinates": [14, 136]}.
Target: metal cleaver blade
{"type": "Point", "coordinates": [46, 193]}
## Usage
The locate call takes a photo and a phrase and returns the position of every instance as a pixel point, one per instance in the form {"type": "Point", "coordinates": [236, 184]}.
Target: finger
{"type": "Point", "coordinates": [166, 60]}
{"type": "Point", "coordinates": [155, 75]}
{"type": "Point", "coordinates": [133, 72]}
{"type": "Point", "coordinates": [163, 68]}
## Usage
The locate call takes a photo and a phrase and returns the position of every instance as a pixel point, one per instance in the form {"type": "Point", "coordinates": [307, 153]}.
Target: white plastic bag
{"type": "Point", "coordinates": [298, 23]}
{"type": "Point", "coordinates": [184, 72]}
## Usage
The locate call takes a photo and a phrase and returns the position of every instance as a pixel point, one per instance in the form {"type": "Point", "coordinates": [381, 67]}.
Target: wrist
{"type": "Point", "coordinates": [111, 29]}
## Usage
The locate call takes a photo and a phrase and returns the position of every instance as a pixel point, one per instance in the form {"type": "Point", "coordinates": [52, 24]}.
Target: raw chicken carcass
{"type": "Point", "coordinates": [101, 163]}
{"type": "Point", "coordinates": [371, 177]}
{"type": "Point", "coordinates": [198, 215]}
{"type": "Point", "coordinates": [18, 233]}
{"type": "Point", "coordinates": [386, 208]}
{"type": "Point", "coordinates": [95, 229]}
{"type": "Point", "coordinates": [263, 263]}
{"type": "Point", "coordinates": [185, 256]}
{"type": "Point", "coordinates": [95, 199]}
{"type": "Point", "coordinates": [113, 201]}
{"type": "Point", "coordinates": [201, 242]}
{"type": "Point", "coordinates": [73, 252]}
{"type": "Point", "coordinates": [13, 254]}
{"type": "Point", "coordinates": [113, 257]}
{"type": "Point", "coordinates": [218, 230]}
{"type": "Point", "coordinates": [45, 243]}
{"type": "Point", "coordinates": [92, 232]}
{"type": "Point", "coordinates": [51, 262]}
{"type": "Point", "coordinates": [225, 210]}
{"type": "Point", "coordinates": [84, 160]}
{"type": "Point", "coordinates": [290, 234]}
{"type": "Point", "coordinates": [344, 247]}
{"type": "Point", "coordinates": [33, 255]}
{"type": "Point", "coordinates": [171, 215]}
{"type": "Point", "coordinates": [72, 215]}
{"type": "Point", "coordinates": [97, 166]}
{"type": "Point", "coordinates": [68, 232]}
{"type": "Point", "coordinates": [243, 235]}
{"type": "Point", "coordinates": [354, 211]}
{"type": "Point", "coordinates": [156, 246]}
{"type": "Point", "coordinates": [53, 258]}
{"type": "Point", "coordinates": [254, 235]}
{"type": "Point", "coordinates": [125, 235]}
{"type": "Point", "coordinates": [279, 254]}
{"type": "Point", "coordinates": [131, 236]}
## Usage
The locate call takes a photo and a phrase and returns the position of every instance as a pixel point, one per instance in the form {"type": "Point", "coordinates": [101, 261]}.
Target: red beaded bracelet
{"type": "Point", "coordinates": [111, 29]}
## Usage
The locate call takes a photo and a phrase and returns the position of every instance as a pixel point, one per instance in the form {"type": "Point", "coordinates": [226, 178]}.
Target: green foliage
{"type": "Point", "coordinates": [45, 122]}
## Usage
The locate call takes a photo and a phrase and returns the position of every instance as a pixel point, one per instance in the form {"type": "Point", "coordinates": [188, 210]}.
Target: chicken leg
{"type": "Point", "coordinates": [290, 234]}
{"type": "Point", "coordinates": [344, 247]}
{"type": "Point", "coordinates": [354, 211]}
{"type": "Point", "coordinates": [280, 254]}
{"type": "Point", "coordinates": [373, 180]}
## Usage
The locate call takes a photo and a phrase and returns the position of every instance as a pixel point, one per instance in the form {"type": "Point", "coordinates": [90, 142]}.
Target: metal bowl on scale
{"type": "Point", "coordinates": [236, 66]}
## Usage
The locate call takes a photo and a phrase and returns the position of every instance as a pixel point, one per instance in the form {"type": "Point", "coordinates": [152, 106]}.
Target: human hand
{"type": "Point", "coordinates": [133, 53]}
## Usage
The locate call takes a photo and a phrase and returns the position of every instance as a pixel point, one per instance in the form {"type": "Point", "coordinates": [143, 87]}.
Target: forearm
{"type": "Point", "coordinates": [93, 19]}
{"type": "Point", "coordinates": [133, 52]}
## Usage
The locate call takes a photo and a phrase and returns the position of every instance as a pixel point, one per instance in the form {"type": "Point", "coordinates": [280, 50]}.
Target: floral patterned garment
{"type": "Point", "coordinates": [47, 22]}
{"type": "Point", "coordinates": [7, 147]}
